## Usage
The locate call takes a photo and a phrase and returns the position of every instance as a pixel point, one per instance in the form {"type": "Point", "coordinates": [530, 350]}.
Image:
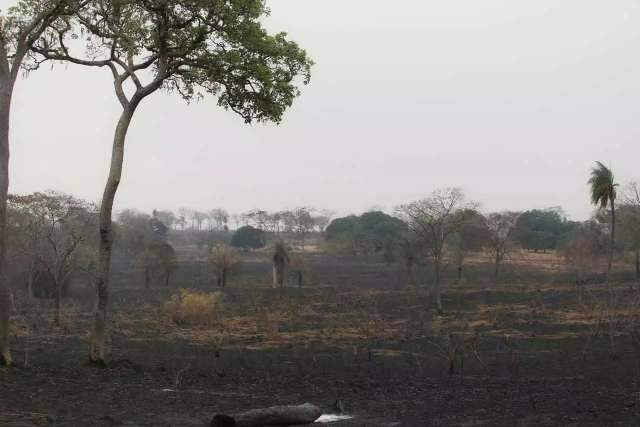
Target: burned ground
{"type": "Point", "coordinates": [528, 352]}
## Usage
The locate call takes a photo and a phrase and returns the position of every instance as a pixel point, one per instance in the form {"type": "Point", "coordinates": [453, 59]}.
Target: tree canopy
{"type": "Point", "coordinates": [540, 230]}
{"type": "Point", "coordinates": [248, 237]}
{"type": "Point", "coordinates": [369, 232]}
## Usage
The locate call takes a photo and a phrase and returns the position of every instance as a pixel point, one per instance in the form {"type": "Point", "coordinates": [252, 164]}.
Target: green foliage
{"type": "Point", "coordinates": [248, 237]}
{"type": "Point", "coordinates": [603, 187]}
{"type": "Point", "coordinates": [370, 232]}
{"type": "Point", "coordinates": [193, 47]}
{"type": "Point", "coordinates": [540, 230]}
{"type": "Point", "coordinates": [341, 228]}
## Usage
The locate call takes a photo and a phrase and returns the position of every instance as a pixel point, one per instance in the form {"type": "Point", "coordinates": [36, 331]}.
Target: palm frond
{"type": "Point", "coordinates": [603, 187]}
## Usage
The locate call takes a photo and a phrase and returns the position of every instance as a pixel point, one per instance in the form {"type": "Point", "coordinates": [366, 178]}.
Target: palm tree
{"type": "Point", "coordinates": [603, 194]}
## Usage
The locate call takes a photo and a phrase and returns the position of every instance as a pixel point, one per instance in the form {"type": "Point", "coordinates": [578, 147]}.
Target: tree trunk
{"type": "Point", "coordinates": [436, 266]}
{"type": "Point", "coordinates": [31, 277]}
{"type": "Point", "coordinates": [58, 296]}
{"type": "Point", "coordinates": [6, 89]}
{"type": "Point", "coordinates": [99, 336]}
{"type": "Point", "coordinates": [275, 276]}
{"type": "Point", "coordinates": [275, 415]}
{"type": "Point", "coordinates": [611, 244]}
{"type": "Point", "coordinates": [224, 277]}
{"type": "Point", "coordinates": [278, 273]}
{"type": "Point", "coordinates": [496, 271]}
{"type": "Point", "coordinates": [299, 279]}
{"type": "Point", "coordinates": [638, 265]}
{"type": "Point", "coordinates": [167, 276]}
{"type": "Point", "coordinates": [459, 272]}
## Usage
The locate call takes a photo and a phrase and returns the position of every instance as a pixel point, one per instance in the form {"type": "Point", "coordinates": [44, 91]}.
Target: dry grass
{"type": "Point", "coordinates": [192, 308]}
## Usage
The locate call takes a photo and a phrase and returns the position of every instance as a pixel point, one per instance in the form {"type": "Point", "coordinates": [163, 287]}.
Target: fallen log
{"type": "Point", "coordinates": [273, 416]}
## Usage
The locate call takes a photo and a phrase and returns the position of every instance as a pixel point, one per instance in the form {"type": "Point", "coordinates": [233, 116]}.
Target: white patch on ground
{"type": "Point", "coordinates": [332, 418]}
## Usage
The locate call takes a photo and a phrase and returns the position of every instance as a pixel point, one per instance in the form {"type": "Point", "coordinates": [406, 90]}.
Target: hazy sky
{"type": "Point", "coordinates": [511, 100]}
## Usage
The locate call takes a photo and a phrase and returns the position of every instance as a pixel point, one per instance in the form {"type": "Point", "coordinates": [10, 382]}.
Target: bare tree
{"type": "Point", "coordinates": [219, 218]}
{"type": "Point", "coordinates": [158, 259]}
{"type": "Point", "coordinates": [433, 220]}
{"type": "Point", "coordinates": [629, 229]}
{"type": "Point", "coordinates": [222, 260]}
{"type": "Point", "coordinates": [470, 237]}
{"type": "Point", "coordinates": [167, 217]}
{"type": "Point", "coordinates": [500, 242]}
{"type": "Point", "coordinates": [199, 218]}
{"type": "Point", "coordinates": [183, 215]}
{"type": "Point", "coordinates": [62, 224]}
{"type": "Point", "coordinates": [581, 250]}
{"type": "Point", "coordinates": [303, 224]}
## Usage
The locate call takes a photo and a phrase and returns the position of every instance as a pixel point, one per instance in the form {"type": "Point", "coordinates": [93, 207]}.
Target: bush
{"type": "Point", "coordinates": [248, 237]}
{"type": "Point", "coordinates": [192, 308]}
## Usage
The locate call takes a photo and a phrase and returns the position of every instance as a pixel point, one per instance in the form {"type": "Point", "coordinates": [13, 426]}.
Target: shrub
{"type": "Point", "coordinates": [192, 308]}
{"type": "Point", "coordinates": [248, 237]}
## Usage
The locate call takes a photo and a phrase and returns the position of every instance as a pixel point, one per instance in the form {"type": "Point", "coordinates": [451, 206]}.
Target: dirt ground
{"type": "Point", "coordinates": [526, 355]}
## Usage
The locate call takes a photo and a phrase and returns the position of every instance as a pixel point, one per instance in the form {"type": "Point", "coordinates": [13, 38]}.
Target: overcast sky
{"type": "Point", "coordinates": [510, 100]}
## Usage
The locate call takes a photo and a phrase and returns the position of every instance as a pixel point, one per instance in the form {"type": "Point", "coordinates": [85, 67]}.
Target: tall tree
{"type": "Point", "coordinates": [603, 194]}
{"type": "Point", "coordinates": [20, 27]}
{"type": "Point", "coordinates": [433, 220]}
{"type": "Point", "coordinates": [193, 47]}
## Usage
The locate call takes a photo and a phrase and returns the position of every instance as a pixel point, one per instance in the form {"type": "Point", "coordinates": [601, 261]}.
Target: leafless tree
{"type": "Point", "coordinates": [62, 225]}
{"type": "Point", "coordinates": [198, 218]}
{"type": "Point", "coordinates": [167, 217]}
{"type": "Point", "coordinates": [222, 259]}
{"type": "Point", "coordinates": [303, 224]}
{"type": "Point", "coordinates": [158, 259]}
{"type": "Point", "coordinates": [500, 241]}
{"type": "Point", "coordinates": [433, 220]}
{"type": "Point", "coordinates": [581, 250]}
{"type": "Point", "coordinates": [218, 218]}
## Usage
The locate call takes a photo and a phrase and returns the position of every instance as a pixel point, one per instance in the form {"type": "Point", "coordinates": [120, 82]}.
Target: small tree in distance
{"type": "Point", "coordinates": [222, 260]}
{"type": "Point", "coordinates": [500, 242]}
{"type": "Point", "coordinates": [433, 220]}
{"type": "Point", "coordinates": [248, 237]}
